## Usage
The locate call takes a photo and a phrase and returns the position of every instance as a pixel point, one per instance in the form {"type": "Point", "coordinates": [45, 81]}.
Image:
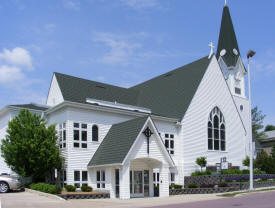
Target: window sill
{"type": "Point", "coordinates": [219, 151]}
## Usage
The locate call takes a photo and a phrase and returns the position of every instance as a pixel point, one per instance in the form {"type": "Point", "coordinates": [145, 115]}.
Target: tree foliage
{"type": "Point", "coordinates": [246, 161]}
{"type": "Point", "coordinates": [269, 128]}
{"type": "Point", "coordinates": [30, 147]}
{"type": "Point", "coordinates": [265, 163]}
{"type": "Point", "coordinates": [257, 123]}
{"type": "Point", "coordinates": [201, 161]}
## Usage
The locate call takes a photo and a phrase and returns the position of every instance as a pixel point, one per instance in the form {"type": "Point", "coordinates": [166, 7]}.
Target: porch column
{"type": "Point", "coordinates": [164, 181]}
{"type": "Point", "coordinates": [124, 181]}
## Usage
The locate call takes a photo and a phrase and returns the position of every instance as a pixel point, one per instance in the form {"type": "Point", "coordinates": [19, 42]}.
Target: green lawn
{"type": "Point", "coordinates": [237, 193]}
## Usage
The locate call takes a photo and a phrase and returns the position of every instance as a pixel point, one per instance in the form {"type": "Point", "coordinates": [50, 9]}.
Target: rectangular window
{"type": "Point", "coordinates": [80, 135]}
{"type": "Point", "coordinates": [62, 135]}
{"type": "Point", "coordinates": [169, 143]}
{"type": "Point", "coordinates": [237, 90]}
{"type": "Point", "coordinates": [63, 178]}
{"type": "Point", "coordinates": [80, 178]}
{"type": "Point", "coordinates": [100, 179]}
{"type": "Point", "coordinates": [156, 178]}
{"type": "Point", "coordinates": [172, 178]}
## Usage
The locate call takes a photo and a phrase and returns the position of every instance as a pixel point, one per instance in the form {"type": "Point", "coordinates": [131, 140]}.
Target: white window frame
{"type": "Point", "coordinates": [81, 182]}
{"type": "Point", "coordinates": [170, 138]}
{"type": "Point", "coordinates": [216, 112]}
{"type": "Point", "coordinates": [80, 140]}
{"type": "Point", "coordinates": [172, 178]}
{"type": "Point", "coordinates": [156, 178]}
{"type": "Point", "coordinates": [101, 183]}
{"type": "Point", "coordinates": [62, 137]}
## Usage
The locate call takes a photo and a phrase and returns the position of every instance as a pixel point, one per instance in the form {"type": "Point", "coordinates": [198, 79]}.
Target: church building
{"type": "Point", "coordinates": [125, 141]}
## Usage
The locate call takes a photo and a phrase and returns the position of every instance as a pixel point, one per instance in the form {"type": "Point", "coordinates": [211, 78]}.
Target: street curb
{"type": "Point", "coordinates": [44, 194]}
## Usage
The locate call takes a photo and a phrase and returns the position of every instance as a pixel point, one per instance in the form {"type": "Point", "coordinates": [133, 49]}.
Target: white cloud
{"type": "Point", "coordinates": [130, 49]}
{"type": "Point", "coordinates": [10, 74]}
{"type": "Point", "coordinates": [71, 4]}
{"type": "Point", "coordinates": [120, 48]}
{"type": "Point", "coordinates": [141, 4]}
{"type": "Point", "coordinates": [17, 57]}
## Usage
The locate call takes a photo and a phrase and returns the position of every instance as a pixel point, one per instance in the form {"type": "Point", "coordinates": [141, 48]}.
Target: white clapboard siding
{"type": "Point", "coordinates": [55, 96]}
{"type": "Point", "coordinates": [4, 119]}
{"type": "Point", "coordinates": [213, 91]}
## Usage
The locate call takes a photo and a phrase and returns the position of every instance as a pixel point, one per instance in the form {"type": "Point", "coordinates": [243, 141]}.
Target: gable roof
{"type": "Point", "coordinates": [78, 90]}
{"type": "Point", "coordinates": [117, 143]}
{"type": "Point", "coordinates": [167, 95]}
{"type": "Point", "coordinates": [31, 106]}
{"type": "Point", "coordinates": [227, 39]}
{"type": "Point", "coordinates": [170, 94]}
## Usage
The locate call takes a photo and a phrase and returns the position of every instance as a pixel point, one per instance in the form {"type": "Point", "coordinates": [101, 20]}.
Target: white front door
{"type": "Point", "coordinates": [139, 183]}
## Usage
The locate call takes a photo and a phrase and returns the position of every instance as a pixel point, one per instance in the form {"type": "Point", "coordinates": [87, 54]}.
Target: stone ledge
{"type": "Point", "coordinates": [84, 196]}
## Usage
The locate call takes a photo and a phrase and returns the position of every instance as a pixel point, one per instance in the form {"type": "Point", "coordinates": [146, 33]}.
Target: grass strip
{"type": "Point", "coordinates": [247, 192]}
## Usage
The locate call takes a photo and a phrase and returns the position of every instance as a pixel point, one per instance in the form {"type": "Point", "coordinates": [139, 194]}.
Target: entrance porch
{"type": "Point", "coordinates": [135, 179]}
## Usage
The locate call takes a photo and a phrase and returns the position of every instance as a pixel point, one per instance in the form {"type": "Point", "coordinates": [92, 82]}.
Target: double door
{"type": "Point", "coordinates": [139, 183]}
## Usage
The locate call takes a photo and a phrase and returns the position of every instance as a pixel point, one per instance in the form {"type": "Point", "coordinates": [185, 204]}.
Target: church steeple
{"type": "Point", "coordinates": [228, 47]}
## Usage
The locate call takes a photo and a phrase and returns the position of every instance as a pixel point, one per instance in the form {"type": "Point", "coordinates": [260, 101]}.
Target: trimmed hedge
{"type": "Point", "coordinates": [198, 173]}
{"type": "Point", "coordinates": [86, 188]}
{"type": "Point", "coordinates": [70, 188]}
{"type": "Point", "coordinates": [46, 188]}
{"type": "Point", "coordinates": [192, 185]}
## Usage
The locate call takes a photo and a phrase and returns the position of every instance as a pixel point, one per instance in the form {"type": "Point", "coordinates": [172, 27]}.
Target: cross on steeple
{"type": "Point", "coordinates": [211, 49]}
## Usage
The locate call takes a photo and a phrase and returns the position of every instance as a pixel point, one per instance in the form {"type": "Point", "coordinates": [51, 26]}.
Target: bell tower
{"type": "Point", "coordinates": [228, 55]}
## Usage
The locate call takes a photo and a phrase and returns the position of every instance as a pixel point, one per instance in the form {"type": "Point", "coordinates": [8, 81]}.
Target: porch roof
{"type": "Point", "coordinates": [118, 142]}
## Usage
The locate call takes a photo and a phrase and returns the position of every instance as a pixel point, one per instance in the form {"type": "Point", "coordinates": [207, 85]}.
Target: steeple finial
{"type": "Point", "coordinates": [211, 49]}
{"type": "Point", "coordinates": [225, 2]}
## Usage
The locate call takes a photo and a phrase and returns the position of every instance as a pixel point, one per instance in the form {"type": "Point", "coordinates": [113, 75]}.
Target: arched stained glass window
{"type": "Point", "coordinates": [216, 130]}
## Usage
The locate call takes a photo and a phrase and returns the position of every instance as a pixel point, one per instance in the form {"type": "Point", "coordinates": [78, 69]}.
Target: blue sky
{"type": "Point", "coordinates": [125, 42]}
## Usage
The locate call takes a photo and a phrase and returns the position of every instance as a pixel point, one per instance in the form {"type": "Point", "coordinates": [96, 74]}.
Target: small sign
{"type": "Point", "coordinates": [224, 163]}
{"type": "Point", "coordinates": [55, 173]}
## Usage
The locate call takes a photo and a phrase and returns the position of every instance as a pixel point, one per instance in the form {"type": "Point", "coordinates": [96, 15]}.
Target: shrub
{"type": "Point", "coordinates": [201, 161]}
{"type": "Point", "coordinates": [175, 186]}
{"type": "Point", "coordinates": [70, 188]}
{"type": "Point", "coordinates": [198, 173]}
{"type": "Point", "coordinates": [86, 188]}
{"type": "Point", "coordinates": [223, 185]}
{"type": "Point", "coordinates": [207, 186]}
{"type": "Point", "coordinates": [46, 188]}
{"type": "Point", "coordinates": [192, 185]}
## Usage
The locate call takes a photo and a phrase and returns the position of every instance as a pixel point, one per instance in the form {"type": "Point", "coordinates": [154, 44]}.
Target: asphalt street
{"type": "Point", "coordinates": [31, 200]}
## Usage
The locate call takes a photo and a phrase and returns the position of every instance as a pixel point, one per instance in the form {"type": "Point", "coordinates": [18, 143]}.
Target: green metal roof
{"type": "Point", "coordinates": [171, 94]}
{"type": "Point", "coordinates": [117, 143]}
{"type": "Point", "coordinates": [228, 40]}
{"type": "Point", "coordinates": [77, 90]}
{"type": "Point", "coordinates": [167, 95]}
{"type": "Point", "coordinates": [30, 106]}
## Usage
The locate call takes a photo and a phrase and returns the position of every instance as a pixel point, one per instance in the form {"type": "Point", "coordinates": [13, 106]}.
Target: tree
{"type": "Point", "coordinates": [265, 163]}
{"type": "Point", "coordinates": [30, 147]}
{"type": "Point", "coordinates": [246, 161]}
{"type": "Point", "coordinates": [257, 123]}
{"type": "Point", "coordinates": [273, 153]}
{"type": "Point", "coordinates": [269, 128]}
{"type": "Point", "coordinates": [201, 161]}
